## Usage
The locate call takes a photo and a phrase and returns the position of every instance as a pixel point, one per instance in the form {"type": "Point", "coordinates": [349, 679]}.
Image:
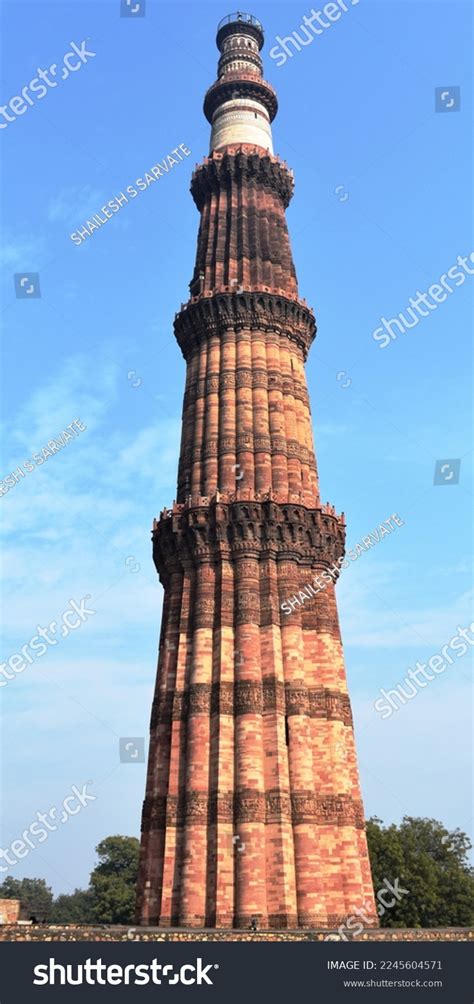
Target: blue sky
{"type": "Point", "coordinates": [356, 110]}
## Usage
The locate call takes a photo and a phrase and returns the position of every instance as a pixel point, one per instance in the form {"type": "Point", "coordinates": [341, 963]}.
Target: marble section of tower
{"type": "Point", "coordinates": [253, 806]}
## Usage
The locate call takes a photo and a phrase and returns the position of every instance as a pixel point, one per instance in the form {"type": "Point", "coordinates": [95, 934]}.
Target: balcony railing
{"type": "Point", "coordinates": [240, 16]}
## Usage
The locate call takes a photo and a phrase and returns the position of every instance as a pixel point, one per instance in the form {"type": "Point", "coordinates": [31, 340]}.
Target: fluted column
{"type": "Point", "coordinates": [261, 420]}
{"type": "Point", "coordinates": [249, 805]}
{"type": "Point", "coordinates": [277, 418]}
{"type": "Point", "coordinates": [227, 414]}
{"type": "Point", "coordinates": [196, 782]}
{"type": "Point", "coordinates": [309, 880]}
{"type": "Point", "coordinates": [280, 852]}
{"type": "Point", "coordinates": [198, 425]}
{"type": "Point", "coordinates": [245, 433]}
{"type": "Point", "coordinates": [177, 645]}
{"type": "Point", "coordinates": [221, 844]}
{"type": "Point", "coordinates": [211, 421]}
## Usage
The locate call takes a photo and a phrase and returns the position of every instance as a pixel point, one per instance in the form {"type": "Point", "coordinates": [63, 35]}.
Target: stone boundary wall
{"type": "Point", "coordinates": [49, 932]}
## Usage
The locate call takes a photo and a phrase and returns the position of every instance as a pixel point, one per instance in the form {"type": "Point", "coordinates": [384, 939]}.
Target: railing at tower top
{"type": "Point", "coordinates": [240, 16]}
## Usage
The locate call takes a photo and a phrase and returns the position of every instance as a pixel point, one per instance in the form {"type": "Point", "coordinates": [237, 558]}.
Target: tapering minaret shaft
{"type": "Point", "coordinates": [253, 809]}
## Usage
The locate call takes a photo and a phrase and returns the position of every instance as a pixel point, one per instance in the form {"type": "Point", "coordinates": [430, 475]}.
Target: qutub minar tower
{"type": "Point", "coordinates": [253, 808]}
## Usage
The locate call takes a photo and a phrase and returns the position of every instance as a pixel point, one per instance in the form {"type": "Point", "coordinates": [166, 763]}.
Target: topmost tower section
{"type": "Point", "coordinates": [240, 105]}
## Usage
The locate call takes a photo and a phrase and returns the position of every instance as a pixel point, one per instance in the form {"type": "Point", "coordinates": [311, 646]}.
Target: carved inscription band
{"type": "Point", "coordinates": [248, 697]}
{"type": "Point", "coordinates": [250, 806]}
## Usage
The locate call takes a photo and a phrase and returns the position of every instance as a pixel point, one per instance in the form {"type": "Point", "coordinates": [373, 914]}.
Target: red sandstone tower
{"type": "Point", "coordinates": [253, 804]}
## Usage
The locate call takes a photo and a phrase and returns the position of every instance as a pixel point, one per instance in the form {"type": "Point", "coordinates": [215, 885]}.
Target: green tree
{"type": "Point", "coordinates": [35, 896]}
{"type": "Point", "coordinates": [432, 863]}
{"type": "Point", "coordinates": [76, 908]}
{"type": "Point", "coordinates": [113, 881]}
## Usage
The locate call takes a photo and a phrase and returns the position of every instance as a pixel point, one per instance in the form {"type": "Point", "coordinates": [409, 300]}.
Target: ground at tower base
{"type": "Point", "coordinates": [52, 932]}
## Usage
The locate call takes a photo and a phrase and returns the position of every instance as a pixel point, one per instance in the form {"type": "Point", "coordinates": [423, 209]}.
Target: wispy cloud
{"type": "Point", "coordinates": [74, 204]}
{"type": "Point", "coordinates": [18, 252]}
{"type": "Point", "coordinates": [374, 616]}
{"type": "Point", "coordinates": [73, 522]}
